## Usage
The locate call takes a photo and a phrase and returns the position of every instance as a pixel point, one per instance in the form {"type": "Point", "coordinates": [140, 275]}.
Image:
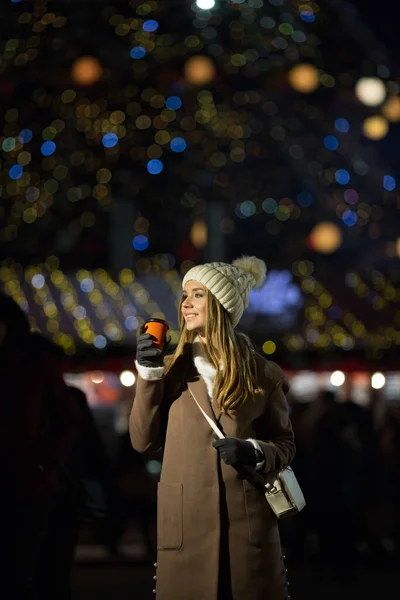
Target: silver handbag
{"type": "Point", "coordinates": [282, 489]}
{"type": "Point", "coordinates": [283, 493]}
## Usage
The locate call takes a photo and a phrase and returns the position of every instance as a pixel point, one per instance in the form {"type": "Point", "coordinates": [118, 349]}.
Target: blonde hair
{"type": "Point", "coordinates": [232, 354]}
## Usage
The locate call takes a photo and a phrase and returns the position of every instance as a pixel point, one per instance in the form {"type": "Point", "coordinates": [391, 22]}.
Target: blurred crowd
{"type": "Point", "coordinates": [348, 463]}
{"type": "Point", "coordinates": [58, 477]}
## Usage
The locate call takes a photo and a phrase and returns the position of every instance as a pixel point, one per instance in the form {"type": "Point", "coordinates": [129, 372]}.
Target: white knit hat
{"type": "Point", "coordinates": [230, 284]}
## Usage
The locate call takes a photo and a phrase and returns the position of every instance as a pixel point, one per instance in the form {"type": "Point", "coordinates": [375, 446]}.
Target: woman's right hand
{"type": "Point", "coordinates": [148, 355]}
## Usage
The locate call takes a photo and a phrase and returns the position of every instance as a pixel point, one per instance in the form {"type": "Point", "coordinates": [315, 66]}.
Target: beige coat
{"type": "Point", "coordinates": [217, 537]}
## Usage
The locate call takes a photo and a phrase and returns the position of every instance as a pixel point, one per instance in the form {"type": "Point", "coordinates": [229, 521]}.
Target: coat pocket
{"type": "Point", "coordinates": [262, 523]}
{"type": "Point", "coordinates": [169, 516]}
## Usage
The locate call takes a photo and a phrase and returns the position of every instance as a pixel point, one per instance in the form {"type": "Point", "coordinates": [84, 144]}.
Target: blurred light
{"type": "Point", "coordinates": [48, 148]}
{"type": "Point", "coordinates": [87, 285]}
{"type": "Point", "coordinates": [205, 4]}
{"type": "Point", "coordinates": [198, 234]}
{"type": "Point", "coordinates": [349, 218]}
{"type": "Point", "coordinates": [391, 109]}
{"type": "Point", "coordinates": [350, 196]}
{"type": "Point", "coordinates": [370, 91]}
{"type": "Point", "coordinates": [79, 312]}
{"type": "Point", "coordinates": [25, 136]}
{"type": "Point", "coordinates": [109, 140]}
{"type": "Point", "coordinates": [131, 323]}
{"type": "Point", "coordinates": [389, 183]}
{"type": "Point", "coordinates": [153, 467]}
{"type": "Point", "coordinates": [16, 172]}
{"type": "Point", "coordinates": [338, 378]}
{"type": "Point", "coordinates": [8, 144]}
{"type": "Point", "coordinates": [178, 144]}
{"type": "Point", "coordinates": [154, 166]}
{"type": "Point", "coordinates": [269, 205]}
{"type": "Point", "coordinates": [326, 237]}
{"type": "Point", "coordinates": [304, 199]}
{"type": "Point", "coordinates": [342, 176]}
{"type": "Point", "coordinates": [375, 127]}
{"type": "Point", "coordinates": [86, 70]}
{"type": "Point", "coordinates": [97, 377]}
{"type": "Point", "coordinates": [199, 70]}
{"type": "Point", "coordinates": [247, 208]}
{"type": "Point", "coordinates": [38, 281]}
{"type": "Point", "coordinates": [127, 378]}
{"type": "Point", "coordinates": [269, 347]}
{"type": "Point", "coordinates": [140, 242]}
{"type": "Point", "coordinates": [331, 143]}
{"type": "Point", "coordinates": [137, 52]}
{"type": "Point", "coordinates": [100, 341]}
{"type": "Point", "coordinates": [378, 380]}
{"type": "Point", "coordinates": [304, 78]}
{"type": "Point", "coordinates": [307, 16]}
{"type": "Point", "coordinates": [150, 25]}
{"type": "Point", "coordinates": [173, 102]}
{"type": "Point", "coordinates": [342, 125]}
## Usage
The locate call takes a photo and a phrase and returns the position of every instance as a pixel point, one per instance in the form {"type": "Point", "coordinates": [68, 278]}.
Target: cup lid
{"type": "Point", "coordinates": [157, 321]}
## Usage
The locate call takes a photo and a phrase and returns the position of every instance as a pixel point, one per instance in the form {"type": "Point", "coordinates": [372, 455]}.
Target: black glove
{"type": "Point", "coordinates": [148, 355]}
{"type": "Point", "coordinates": [236, 452]}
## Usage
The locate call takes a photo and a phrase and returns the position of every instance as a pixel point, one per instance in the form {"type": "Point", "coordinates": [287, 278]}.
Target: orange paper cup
{"type": "Point", "coordinates": [158, 329]}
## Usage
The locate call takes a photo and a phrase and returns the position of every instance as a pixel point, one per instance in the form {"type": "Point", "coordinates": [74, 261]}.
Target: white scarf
{"type": "Point", "coordinates": [203, 366]}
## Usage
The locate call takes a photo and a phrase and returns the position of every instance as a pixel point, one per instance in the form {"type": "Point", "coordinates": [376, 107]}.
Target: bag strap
{"type": "Point", "coordinates": [248, 472]}
{"type": "Point", "coordinates": [212, 424]}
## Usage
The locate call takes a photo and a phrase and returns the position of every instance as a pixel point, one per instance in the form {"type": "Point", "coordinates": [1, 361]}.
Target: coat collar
{"type": "Point", "coordinates": [198, 388]}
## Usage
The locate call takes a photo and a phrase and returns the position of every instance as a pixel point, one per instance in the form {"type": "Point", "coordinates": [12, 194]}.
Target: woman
{"type": "Point", "coordinates": [217, 537]}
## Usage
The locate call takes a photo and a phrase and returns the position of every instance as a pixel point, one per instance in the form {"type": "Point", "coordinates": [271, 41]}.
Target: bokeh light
{"type": "Point", "coordinates": [140, 242]}
{"type": "Point", "coordinates": [378, 381]}
{"type": "Point", "coordinates": [205, 4]}
{"type": "Point", "coordinates": [199, 70]}
{"type": "Point", "coordinates": [338, 378]}
{"type": "Point", "coordinates": [304, 78]}
{"type": "Point", "coordinates": [155, 166]}
{"type": "Point", "coordinates": [178, 144]}
{"type": "Point", "coordinates": [325, 238]}
{"type": "Point", "coordinates": [375, 127]}
{"type": "Point", "coordinates": [109, 140]}
{"type": "Point", "coordinates": [389, 183]}
{"type": "Point", "coordinates": [391, 109]}
{"type": "Point", "coordinates": [371, 91]}
{"type": "Point", "coordinates": [127, 378]}
{"type": "Point", "coordinates": [86, 70]}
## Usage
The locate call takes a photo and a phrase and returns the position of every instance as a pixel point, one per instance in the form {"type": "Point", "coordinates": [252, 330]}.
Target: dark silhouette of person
{"type": "Point", "coordinates": [38, 424]}
{"type": "Point", "coordinates": [343, 457]}
{"type": "Point", "coordinates": [81, 498]}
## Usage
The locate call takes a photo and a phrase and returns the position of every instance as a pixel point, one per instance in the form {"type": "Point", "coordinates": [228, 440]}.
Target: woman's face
{"type": "Point", "coordinates": [194, 305]}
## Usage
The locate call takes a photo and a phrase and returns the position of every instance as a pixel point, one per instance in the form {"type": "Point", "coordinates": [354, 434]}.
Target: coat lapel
{"type": "Point", "coordinates": [199, 390]}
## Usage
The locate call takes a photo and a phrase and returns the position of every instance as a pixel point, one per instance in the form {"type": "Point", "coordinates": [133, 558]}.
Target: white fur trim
{"type": "Point", "coordinates": [207, 372]}
{"type": "Point", "coordinates": [203, 366]}
{"type": "Point", "coordinates": [149, 373]}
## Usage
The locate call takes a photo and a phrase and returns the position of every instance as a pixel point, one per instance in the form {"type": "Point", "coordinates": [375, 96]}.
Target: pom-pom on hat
{"type": "Point", "coordinates": [230, 284]}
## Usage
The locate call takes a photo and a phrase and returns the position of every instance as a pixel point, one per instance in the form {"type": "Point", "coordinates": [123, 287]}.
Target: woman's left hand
{"type": "Point", "coordinates": [236, 452]}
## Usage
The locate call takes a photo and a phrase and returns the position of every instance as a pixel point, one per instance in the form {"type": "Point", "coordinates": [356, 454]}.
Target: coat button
{"type": "Point", "coordinates": [155, 577]}
{"type": "Point", "coordinates": [154, 591]}
{"type": "Point", "coordinates": [156, 565]}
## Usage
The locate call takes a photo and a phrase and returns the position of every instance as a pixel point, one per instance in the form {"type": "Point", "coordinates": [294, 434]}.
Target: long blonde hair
{"type": "Point", "coordinates": [231, 353]}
